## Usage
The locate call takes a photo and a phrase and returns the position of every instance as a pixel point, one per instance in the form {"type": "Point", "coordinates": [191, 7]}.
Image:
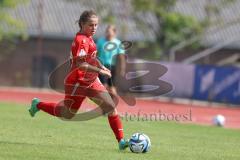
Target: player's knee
{"type": "Point", "coordinates": [108, 107]}
{"type": "Point", "coordinates": [112, 105]}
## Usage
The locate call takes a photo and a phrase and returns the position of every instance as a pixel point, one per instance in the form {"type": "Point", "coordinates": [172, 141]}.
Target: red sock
{"type": "Point", "coordinates": [51, 108]}
{"type": "Point", "coordinates": [116, 125]}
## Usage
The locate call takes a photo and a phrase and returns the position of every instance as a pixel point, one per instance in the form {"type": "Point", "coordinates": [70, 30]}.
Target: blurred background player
{"type": "Point", "coordinates": [109, 52]}
{"type": "Point", "coordinates": [82, 81]}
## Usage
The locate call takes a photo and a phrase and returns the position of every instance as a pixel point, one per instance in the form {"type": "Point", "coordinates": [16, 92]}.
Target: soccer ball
{"type": "Point", "coordinates": [219, 120]}
{"type": "Point", "coordinates": [139, 143]}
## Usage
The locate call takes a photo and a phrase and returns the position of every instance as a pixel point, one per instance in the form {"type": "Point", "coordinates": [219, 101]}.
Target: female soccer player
{"type": "Point", "coordinates": [82, 81]}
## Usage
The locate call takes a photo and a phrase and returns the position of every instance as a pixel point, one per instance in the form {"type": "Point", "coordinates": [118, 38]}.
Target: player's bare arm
{"type": "Point", "coordinates": [90, 68]}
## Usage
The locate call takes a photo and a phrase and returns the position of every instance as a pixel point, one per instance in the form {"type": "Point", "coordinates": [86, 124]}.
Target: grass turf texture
{"type": "Point", "coordinates": [46, 137]}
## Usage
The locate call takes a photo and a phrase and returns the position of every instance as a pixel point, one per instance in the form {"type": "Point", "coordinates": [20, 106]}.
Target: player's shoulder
{"type": "Point", "coordinates": [117, 41]}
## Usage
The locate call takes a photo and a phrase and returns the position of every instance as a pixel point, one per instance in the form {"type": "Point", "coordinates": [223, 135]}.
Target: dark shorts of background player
{"type": "Point", "coordinates": [108, 81]}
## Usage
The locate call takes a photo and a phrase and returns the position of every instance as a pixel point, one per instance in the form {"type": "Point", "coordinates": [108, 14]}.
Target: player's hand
{"type": "Point", "coordinates": [106, 69]}
{"type": "Point", "coordinates": [106, 73]}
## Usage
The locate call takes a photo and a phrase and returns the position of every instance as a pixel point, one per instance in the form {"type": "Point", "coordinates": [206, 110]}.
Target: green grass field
{"type": "Point", "coordinates": [49, 138]}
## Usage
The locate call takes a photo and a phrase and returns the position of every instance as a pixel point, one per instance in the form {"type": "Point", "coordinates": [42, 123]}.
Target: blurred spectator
{"type": "Point", "coordinates": [109, 52]}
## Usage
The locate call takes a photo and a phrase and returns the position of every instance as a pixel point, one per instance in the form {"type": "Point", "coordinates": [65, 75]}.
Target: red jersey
{"type": "Point", "coordinates": [83, 49]}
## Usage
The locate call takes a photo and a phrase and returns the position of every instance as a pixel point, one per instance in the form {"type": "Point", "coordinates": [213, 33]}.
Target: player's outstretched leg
{"type": "Point", "coordinates": [33, 109]}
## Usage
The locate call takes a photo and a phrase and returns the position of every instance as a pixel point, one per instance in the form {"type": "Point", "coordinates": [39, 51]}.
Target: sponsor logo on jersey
{"type": "Point", "coordinates": [82, 53]}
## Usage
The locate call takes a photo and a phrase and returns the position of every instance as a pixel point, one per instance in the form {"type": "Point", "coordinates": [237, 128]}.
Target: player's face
{"type": "Point", "coordinates": [110, 33]}
{"type": "Point", "coordinates": [90, 27]}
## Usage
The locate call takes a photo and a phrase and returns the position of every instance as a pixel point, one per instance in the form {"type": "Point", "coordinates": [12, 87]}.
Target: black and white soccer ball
{"type": "Point", "coordinates": [219, 120]}
{"type": "Point", "coordinates": [139, 143]}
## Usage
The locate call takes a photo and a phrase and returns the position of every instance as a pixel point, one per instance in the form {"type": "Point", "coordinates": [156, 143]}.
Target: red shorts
{"type": "Point", "coordinates": [76, 92]}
